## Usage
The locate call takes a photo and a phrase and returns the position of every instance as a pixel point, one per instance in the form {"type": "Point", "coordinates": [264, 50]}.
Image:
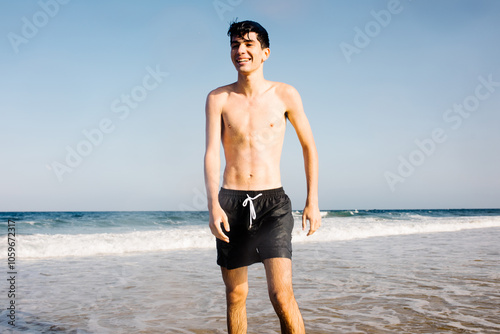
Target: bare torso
{"type": "Point", "coordinates": [249, 118]}
{"type": "Point", "coordinates": [252, 134]}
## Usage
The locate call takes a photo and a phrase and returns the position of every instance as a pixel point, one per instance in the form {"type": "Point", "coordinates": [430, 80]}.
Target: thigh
{"type": "Point", "coordinates": [235, 278]}
{"type": "Point", "coordinates": [279, 274]}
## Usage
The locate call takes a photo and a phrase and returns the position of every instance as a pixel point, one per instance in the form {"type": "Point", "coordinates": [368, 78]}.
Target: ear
{"type": "Point", "coordinates": [266, 53]}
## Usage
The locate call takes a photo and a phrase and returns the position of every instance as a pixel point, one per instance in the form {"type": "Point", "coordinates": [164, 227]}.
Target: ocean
{"type": "Point", "coordinates": [363, 271]}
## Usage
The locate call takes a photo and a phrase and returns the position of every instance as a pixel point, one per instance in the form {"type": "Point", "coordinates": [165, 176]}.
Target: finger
{"type": "Point", "coordinates": [225, 221]}
{"type": "Point", "coordinates": [304, 224]}
{"type": "Point", "coordinates": [220, 235]}
{"type": "Point", "coordinates": [224, 238]}
{"type": "Point", "coordinates": [216, 230]}
{"type": "Point", "coordinates": [314, 227]}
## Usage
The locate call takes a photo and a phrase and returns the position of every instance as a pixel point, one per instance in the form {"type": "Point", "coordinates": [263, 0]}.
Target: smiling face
{"type": "Point", "coordinates": [247, 54]}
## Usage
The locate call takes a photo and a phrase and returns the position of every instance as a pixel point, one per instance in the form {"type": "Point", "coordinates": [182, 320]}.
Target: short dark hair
{"type": "Point", "coordinates": [241, 29]}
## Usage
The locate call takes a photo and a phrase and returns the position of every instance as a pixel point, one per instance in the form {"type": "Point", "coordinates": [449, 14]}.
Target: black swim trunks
{"type": "Point", "coordinates": [261, 225]}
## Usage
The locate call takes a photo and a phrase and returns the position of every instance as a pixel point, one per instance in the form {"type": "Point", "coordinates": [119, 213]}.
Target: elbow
{"type": "Point", "coordinates": [310, 154]}
{"type": "Point", "coordinates": [309, 149]}
{"type": "Point", "coordinates": [211, 157]}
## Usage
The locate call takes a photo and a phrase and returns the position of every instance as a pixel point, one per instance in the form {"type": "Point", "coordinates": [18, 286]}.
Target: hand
{"type": "Point", "coordinates": [218, 216]}
{"type": "Point", "coordinates": [312, 214]}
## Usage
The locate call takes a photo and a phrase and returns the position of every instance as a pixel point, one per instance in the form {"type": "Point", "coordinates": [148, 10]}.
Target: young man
{"type": "Point", "coordinates": [251, 215]}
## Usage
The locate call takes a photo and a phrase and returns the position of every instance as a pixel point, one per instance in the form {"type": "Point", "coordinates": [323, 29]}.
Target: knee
{"type": "Point", "coordinates": [236, 295]}
{"type": "Point", "coordinates": [281, 298]}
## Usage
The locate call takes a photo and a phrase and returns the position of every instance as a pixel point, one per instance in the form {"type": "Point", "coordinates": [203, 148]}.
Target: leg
{"type": "Point", "coordinates": [279, 284]}
{"type": "Point", "coordinates": [236, 281]}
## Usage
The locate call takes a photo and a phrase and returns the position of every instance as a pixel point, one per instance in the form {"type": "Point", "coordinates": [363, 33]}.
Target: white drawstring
{"type": "Point", "coordinates": [249, 199]}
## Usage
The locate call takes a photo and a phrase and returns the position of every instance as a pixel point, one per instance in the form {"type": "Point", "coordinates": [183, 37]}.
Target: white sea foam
{"type": "Point", "coordinates": [62, 245]}
{"type": "Point", "coordinates": [186, 237]}
{"type": "Point", "coordinates": [29, 222]}
{"type": "Point", "coordinates": [354, 228]}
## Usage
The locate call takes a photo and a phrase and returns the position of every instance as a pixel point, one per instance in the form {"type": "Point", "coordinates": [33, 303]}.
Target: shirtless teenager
{"type": "Point", "coordinates": [251, 216]}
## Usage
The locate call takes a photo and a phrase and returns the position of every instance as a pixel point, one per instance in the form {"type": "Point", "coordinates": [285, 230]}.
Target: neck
{"type": "Point", "coordinates": [251, 83]}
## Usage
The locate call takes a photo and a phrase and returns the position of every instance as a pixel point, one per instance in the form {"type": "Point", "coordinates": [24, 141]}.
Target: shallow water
{"type": "Point", "coordinates": [445, 282]}
{"type": "Point", "coordinates": [431, 283]}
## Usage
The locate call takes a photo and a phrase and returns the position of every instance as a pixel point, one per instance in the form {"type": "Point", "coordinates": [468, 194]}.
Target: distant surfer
{"type": "Point", "coordinates": [250, 215]}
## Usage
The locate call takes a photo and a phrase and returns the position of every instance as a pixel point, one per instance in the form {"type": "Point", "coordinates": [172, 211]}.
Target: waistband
{"type": "Point", "coordinates": [252, 193]}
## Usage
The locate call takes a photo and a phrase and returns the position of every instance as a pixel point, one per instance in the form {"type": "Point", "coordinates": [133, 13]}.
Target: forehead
{"type": "Point", "coordinates": [251, 36]}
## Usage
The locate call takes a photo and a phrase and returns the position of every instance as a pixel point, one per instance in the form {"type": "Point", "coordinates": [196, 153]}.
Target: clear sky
{"type": "Point", "coordinates": [102, 102]}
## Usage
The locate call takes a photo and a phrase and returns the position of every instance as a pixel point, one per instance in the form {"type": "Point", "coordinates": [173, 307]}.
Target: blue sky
{"type": "Point", "coordinates": [403, 98]}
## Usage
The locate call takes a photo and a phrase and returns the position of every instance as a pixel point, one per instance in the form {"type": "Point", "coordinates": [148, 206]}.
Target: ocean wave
{"type": "Point", "coordinates": [350, 229]}
{"type": "Point", "coordinates": [39, 246]}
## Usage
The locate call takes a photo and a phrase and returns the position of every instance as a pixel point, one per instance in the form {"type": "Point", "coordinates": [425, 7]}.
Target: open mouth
{"type": "Point", "coordinates": [242, 60]}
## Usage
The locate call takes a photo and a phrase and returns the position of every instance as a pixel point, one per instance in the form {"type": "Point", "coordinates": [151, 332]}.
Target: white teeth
{"type": "Point", "coordinates": [243, 60]}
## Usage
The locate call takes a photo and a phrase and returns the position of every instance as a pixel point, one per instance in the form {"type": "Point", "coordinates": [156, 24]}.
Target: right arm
{"type": "Point", "coordinates": [213, 111]}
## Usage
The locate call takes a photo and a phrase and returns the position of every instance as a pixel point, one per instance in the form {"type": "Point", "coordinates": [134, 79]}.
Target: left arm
{"type": "Point", "coordinates": [298, 119]}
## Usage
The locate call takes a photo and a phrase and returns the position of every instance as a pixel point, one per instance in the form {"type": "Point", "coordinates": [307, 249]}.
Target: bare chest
{"type": "Point", "coordinates": [242, 118]}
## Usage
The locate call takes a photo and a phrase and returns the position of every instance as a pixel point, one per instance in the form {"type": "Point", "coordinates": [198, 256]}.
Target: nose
{"type": "Point", "coordinates": [241, 48]}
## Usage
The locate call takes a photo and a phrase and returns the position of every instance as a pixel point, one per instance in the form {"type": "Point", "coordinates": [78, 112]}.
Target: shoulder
{"type": "Point", "coordinates": [285, 91]}
{"type": "Point", "coordinates": [218, 97]}
{"type": "Point", "coordinates": [288, 94]}
{"type": "Point", "coordinates": [221, 92]}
